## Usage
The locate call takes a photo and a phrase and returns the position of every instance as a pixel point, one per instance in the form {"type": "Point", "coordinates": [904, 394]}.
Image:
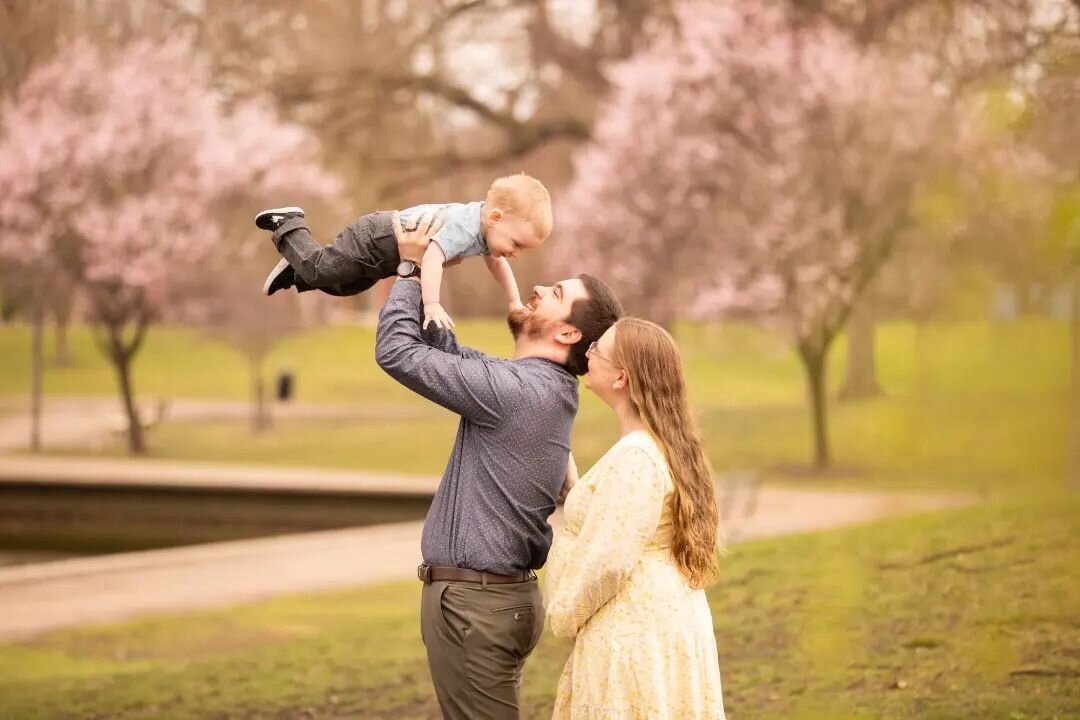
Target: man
{"type": "Point", "coordinates": [487, 530]}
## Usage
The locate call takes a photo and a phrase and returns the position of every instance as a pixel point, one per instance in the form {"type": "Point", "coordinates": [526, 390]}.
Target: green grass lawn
{"type": "Point", "coordinates": [968, 613]}
{"type": "Point", "coordinates": [967, 405]}
{"type": "Point", "coordinates": [333, 364]}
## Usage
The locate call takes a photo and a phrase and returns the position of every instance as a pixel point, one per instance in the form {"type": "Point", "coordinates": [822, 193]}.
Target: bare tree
{"type": "Point", "coordinates": [253, 325]}
{"type": "Point", "coordinates": [394, 86]}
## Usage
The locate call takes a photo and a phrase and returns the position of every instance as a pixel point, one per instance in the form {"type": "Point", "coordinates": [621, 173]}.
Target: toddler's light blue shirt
{"type": "Point", "coordinates": [459, 235]}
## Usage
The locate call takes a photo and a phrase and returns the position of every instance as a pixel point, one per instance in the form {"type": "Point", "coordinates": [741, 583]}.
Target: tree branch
{"type": "Point", "coordinates": [526, 139]}
{"type": "Point", "coordinates": [584, 63]}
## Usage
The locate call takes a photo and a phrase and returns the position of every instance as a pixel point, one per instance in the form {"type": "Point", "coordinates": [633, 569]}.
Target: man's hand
{"type": "Point", "coordinates": [412, 243]}
{"type": "Point", "coordinates": [434, 313]}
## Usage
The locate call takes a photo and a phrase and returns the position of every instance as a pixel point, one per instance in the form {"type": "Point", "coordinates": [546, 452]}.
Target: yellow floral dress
{"type": "Point", "coordinates": [644, 644]}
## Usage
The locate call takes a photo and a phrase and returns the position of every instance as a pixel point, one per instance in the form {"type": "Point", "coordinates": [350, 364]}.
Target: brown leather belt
{"type": "Point", "coordinates": [429, 574]}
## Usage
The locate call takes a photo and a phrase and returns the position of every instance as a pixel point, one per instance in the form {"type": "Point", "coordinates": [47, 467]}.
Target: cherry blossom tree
{"type": "Point", "coordinates": [753, 163]}
{"type": "Point", "coordinates": [1053, 130]}
{"type": "Point", "coordinates": [117, 168]}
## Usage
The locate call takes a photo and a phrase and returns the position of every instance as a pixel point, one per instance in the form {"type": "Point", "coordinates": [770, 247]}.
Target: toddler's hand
{"type": "Point", "coordinates": [434, 313]}
{"type": "Point", "coordinates": [516, 305]}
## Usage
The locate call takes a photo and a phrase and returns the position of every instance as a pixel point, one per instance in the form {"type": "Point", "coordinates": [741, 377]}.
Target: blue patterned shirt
{"type": "Point", "coordinates": [508, 464]}
{"type": "Point", "coordinates": [459, 235]}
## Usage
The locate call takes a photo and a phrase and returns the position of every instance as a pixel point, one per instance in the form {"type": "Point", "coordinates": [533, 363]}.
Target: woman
{"type": "Point", "coordinates": [625, 579]}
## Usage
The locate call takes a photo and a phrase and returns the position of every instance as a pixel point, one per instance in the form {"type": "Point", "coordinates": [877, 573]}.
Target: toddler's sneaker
{"type": "Point", "coordinates": [281, 277]}
{"type": "Point", "coordinates": [271, 219]}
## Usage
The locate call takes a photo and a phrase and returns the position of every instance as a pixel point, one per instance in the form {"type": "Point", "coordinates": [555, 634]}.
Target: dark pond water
{"type": "Point", "coordinates": [40, 523]}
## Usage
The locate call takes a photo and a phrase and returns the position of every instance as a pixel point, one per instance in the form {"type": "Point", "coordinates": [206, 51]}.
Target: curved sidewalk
{"type": "Point", "coordinates": [51, 595]}
{"type": "Point", "coordinates": [220, 476]}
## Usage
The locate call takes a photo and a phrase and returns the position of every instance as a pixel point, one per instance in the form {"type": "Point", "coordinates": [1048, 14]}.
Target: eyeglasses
{"type": "Point", "coordinates": [592, 351]}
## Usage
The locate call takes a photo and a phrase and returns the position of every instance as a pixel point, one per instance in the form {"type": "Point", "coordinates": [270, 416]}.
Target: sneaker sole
{"type": "Point", "coordinates": [265, 219]}
{"type": "Point", "coordinates": [278, 269]}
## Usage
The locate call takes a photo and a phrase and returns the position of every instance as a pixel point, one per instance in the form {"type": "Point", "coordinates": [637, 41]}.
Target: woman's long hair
{"type": "Point", "coordinates": [657, 384]}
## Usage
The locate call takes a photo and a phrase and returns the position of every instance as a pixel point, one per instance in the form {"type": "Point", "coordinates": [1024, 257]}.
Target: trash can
{"type": "Point", "coordinates": [285, 385]}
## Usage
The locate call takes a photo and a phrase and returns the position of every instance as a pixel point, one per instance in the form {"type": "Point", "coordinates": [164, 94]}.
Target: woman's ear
{"type": "Point", "coordinates": [621, 380]}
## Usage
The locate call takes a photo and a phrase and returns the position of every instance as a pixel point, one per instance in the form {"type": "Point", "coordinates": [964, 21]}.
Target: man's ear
{"type": "Point", "coordinates": [569, 335]}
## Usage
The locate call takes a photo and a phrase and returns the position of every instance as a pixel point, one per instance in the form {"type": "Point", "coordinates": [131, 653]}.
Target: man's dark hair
{"type": "Point", "coordinates": [592, 316]}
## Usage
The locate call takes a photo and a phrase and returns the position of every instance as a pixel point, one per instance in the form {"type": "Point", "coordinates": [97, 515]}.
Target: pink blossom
{"type": "Point", "coordinates": [745, 163]}
{"type": "Point", "coordinates": [130, 157]}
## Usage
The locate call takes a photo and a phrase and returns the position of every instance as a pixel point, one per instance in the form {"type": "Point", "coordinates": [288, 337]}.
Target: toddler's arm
{"type": "Point", "coordinates": [500, 269]}
{"type": "Point", "coordinates": [431, 271]}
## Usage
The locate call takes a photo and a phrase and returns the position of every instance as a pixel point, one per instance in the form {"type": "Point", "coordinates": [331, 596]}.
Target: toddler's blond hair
{"type": "Point", "coordinates": [525, 197]}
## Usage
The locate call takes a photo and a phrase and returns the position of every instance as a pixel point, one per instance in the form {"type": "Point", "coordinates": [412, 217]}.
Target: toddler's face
{"type": "Point", "coordinates": [508, 235]}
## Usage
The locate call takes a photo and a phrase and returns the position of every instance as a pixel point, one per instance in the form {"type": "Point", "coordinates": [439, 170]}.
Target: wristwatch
{"type": "Point", "coordinates": [408, 269]}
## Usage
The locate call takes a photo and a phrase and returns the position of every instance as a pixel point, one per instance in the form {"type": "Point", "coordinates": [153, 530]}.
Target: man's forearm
{"type": "Point", "coordinates": [399, 323]}
{"type": "Point", "coordinates": [461, 383]}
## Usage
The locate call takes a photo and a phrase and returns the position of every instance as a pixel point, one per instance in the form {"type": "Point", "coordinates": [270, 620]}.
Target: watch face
{"type": "Point", "coordinates": [406, 268]}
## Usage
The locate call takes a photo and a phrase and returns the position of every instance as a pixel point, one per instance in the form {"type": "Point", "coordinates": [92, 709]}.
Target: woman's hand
{"type": "Point", "coordinates": [571, 478]}
{"type": "Point", "coordinates": [412, 243]}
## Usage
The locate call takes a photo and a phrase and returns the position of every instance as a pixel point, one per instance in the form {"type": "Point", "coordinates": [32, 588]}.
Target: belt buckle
{"type": "Point", "coordinates": [424, 573]}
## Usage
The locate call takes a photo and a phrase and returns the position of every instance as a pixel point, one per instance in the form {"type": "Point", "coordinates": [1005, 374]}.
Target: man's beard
{"type": "Point", "coordinates": [523, 320]}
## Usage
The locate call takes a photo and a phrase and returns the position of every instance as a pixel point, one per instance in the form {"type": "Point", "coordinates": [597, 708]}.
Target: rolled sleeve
{"type": "Point", "coordinates": [464, 383]}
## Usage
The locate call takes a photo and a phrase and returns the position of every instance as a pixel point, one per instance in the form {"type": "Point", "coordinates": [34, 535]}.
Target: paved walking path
{"type": "Point", "coordinates": [48, 596]}
{"type": "Point", "coordinates": [51, 595]}
{"type": "Point", "coordinates": [72, 421]}
{"type": "Point", "coordinates": [224, 476]}
{"type": "Point", "coordinates": [62, 593]}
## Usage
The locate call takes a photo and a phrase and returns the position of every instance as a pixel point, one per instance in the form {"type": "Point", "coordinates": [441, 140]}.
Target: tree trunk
{"type": "Point", "coordinates": [1074, 382]}
{"type": "Point", "coordinates": [861, 378]}
{"type": "Point", "coordinates": [37, 364]}
{"type": "Point", "coordinates": [1029, 297]}
{"type": "Point", "coordinates": [260, 411]}
{"type": "Point", "coordinates": [61, 304]}
{"type": "Point", "coordinates": [63, 357]}
{"type": "Point", "coordinates": [256, 402]}
{"type": "Point", "coordinates": [136, 442]}
{"type": "Point", "coordinates": [921, 354]}
{"type": "Point", "coordinates": [121, 354]}
{"type": "Point", "coordinates": [814, 362]}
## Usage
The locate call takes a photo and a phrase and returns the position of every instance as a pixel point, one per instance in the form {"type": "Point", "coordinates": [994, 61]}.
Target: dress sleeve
{"type": "Point", "coordinates": [621, 519]}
